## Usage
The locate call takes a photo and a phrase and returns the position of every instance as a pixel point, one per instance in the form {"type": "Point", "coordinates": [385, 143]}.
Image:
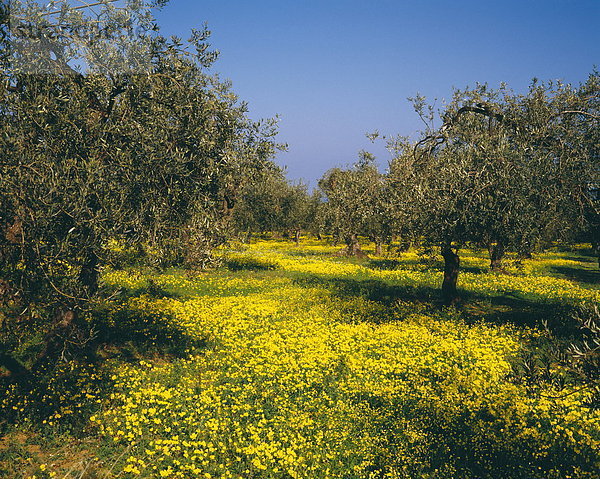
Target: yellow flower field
{"type": "Point", "coordinates": [296, 384]}
{"type": "Point", "coordinates": [289, 375]}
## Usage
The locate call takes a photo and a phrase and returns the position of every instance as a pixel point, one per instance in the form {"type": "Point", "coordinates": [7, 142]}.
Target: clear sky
{"type": "Point", "coordinates": [337, 69]}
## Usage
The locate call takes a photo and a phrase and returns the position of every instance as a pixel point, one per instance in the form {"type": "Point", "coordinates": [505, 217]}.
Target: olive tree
{"type": "Point", "coordinates": [258, 209]}
{"type": "Point", "coordinates": [298, 210]}
{"type": "Point", "coordinates": [354, 203]}
{"type": "Point", "coordinates": [504, 171]}
{"type": "Point", "coordinates": [111, 131]}
{"type": "Point", "coordinates": [577, 129]}
{"type": "Point", "coordinates": [274, 204]}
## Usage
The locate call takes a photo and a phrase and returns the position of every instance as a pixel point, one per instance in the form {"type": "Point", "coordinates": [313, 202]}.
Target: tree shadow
{"type": "Point", "coordinates": [521, 312]}
{"type": "Point", "coordinates": [436, 265]}
{"type": "Point", "coordinates": [583, 258]}
{"type": "Point", "coordinates": [305, 253]}
{"type": "Point", "coordinates": [386, 264]}
{"type": "Point", "coordinates": [578, 274]}
{"type": "Point", "coordinates": [370, 289]}
{"type": "Point", "coordinates": [132, 334]}
{"type": "Point", "coordinates": [151, 289]}
{"type": "Point", "coordinates": [116, 334]}
{"type": "Point", "coordinates": [249, 264]}
{"type": "Point", "coordinates": [473, 307]}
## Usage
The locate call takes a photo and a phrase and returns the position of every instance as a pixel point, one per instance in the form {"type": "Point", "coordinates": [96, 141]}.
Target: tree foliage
{"type": "Point", "coordinates": [273, 204]}
{"type": "Point", "coordinates": [354, 204]}
{"type": "Point", "coordinates": [504, 171]}
{"type": "Point", "coordinates": [113, 132]}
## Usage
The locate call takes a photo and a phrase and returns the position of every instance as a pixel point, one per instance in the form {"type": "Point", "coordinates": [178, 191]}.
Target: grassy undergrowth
{"type": "Point", "coordinates": [291, 362]}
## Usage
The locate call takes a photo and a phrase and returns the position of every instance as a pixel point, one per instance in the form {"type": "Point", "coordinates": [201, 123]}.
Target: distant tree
{"type": "Point", "coordinates": [273, 204]}
{"type": "Point", "coordinates": [297, 210]}
{"type": "Point", "coordinates": [110, 131]}
{"type": "Point", "coordinates": [259, 209]}
{"type": "Point", "coordinates": [578, 131]}
{"type": "Point", "coordinates": [402, 183]}
{"type": "Point", "coordinates": [353, 203]}
{"type": "Point", "coordinates": [316, 214]}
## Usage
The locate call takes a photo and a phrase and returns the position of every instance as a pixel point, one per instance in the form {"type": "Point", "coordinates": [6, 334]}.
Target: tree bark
{"type": "Point", "coordinates": [596, 248]}
{"type": "Point", "coordinates": [353, 247]}
{"type": "Point", "coordinates": [378, 247]}
{"type": "Point", "coordinates": [497, 252]}
{"type": "Point", "coordinates": [89, 275]}
{"type": "Point", "coordinates": [66, 330]}
{"type": "Point", "coordinates": [404, 246]}
{"type": "Point", "coordinates": [451, 269]}
{"type": "Point", "coordinates": [297, 237]}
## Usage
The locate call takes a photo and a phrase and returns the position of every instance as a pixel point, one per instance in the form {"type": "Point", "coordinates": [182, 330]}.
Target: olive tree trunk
{"type": "Point", "coordinates": [497, 252]}
{"type": "Point", "coordinates": [451, 269]}
{"type": "Point", "coordinates": [352, 247]}
{"type": "Point", "coordinates": [378, 247]}
{"type": "Point", "coordinates": [89, 275]}
{"type": "Point", "coordinates": [14, 367]}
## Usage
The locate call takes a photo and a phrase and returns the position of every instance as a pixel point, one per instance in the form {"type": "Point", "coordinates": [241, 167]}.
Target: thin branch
{"type": "Point", "coordinates": [587, 386]}
{"type": "Point", "coordinates": [52, 283]}
{"type": "Point", "coordinates": [440, 139]}
{"type": "Point", "coordinates": [575, 112]}
{"type": "Point", "coordinates": [82, 7]}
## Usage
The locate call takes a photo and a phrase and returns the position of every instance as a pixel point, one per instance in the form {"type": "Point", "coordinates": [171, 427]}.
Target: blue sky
{"type": "Point", "coordinates": [337, 69]}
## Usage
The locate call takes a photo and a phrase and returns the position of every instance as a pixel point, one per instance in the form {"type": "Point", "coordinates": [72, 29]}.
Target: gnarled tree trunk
{"type": "Point", "coordinates": [404, 245]}
{"type": "Point", "coordinates": [497, 252]}
{"type": "Point", "coordinates": [451, 269]}
{"type": "Point", "coordinates": [378, 247]}
{"type": "Point", "coordinates": [353, 247]}
{"type": "Point", "coordinates": [89, 274]}
{"type": "Point", "coordinates": [14, 367]}
{"type": "Point", "coordinates": [596, 248]}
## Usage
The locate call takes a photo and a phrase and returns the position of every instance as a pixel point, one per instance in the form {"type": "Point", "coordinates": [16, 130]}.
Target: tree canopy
{"type": "Point", "coordinates": [505, 171]}
{"type": "Point", "coordinates": [112, 132]}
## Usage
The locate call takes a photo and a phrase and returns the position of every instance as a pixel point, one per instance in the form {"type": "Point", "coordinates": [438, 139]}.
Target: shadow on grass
{"type": "Point", "coordinates": [584, 257]}
{"type": "Point", "coordinates": [521, 312]}
{"type": "Point", "coordinates": [132, 334]}
{"type": "Point", "coordinates": [370, 289]}
{"type": "Point", "coordinates": [152, 289]}
{"type": "Point", "coordinates": [115, 335]}
{"type": "Point", "coordinates": [473, 307]}
{"type": "Point", "coordinates": [250, 264]}
{"type": "Point", "coordinates": [308, 254]}
{"type": "Point", "coordinates": [389, 264]}
{"type": "Point", "coordinates": [436, 265]}
{"type": "Point", "coordinates": [578, 274]}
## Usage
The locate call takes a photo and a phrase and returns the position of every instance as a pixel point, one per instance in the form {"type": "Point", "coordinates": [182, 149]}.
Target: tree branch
{"type": "Point", "coordinates": [440, 139]}
{"type": "Point", "coordinates": [575, 112]}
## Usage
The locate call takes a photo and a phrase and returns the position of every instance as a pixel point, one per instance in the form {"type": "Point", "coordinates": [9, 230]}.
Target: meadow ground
{"type": "Point", "coordinates": [290, 362]}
